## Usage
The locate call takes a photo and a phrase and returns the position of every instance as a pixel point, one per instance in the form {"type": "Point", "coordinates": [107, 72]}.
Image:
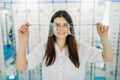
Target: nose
{"type": "Point", "coordinates": [60, 28]}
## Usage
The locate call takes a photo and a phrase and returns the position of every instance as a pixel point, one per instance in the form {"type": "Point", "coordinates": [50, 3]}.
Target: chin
{"type": "Point", "coordinates": [61, 37]}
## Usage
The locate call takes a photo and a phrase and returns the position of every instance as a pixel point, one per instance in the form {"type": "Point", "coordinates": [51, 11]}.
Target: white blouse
{"type": "Point", "coordinates": [63, 68]}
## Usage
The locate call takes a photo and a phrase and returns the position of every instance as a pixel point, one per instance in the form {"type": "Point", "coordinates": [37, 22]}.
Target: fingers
{"type": "Point", "coordinates": [98, 27]}
{"type": "Point", "coordinates": [106, 29]}
{"type": "Point", "coordinates": [24, 28]}
{"type": "Point", "coordinates": [27, 24]}
{"type": "Point", "coordinates": [102, 28]}
{"type": "Point", "coordinates": [98, 23]}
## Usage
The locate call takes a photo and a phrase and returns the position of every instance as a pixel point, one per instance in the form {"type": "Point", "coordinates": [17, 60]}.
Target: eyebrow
{"type": "Point", "coordinates": [59, 23]}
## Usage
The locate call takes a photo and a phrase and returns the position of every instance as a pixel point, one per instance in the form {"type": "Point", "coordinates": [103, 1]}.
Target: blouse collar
{"type": "Point", "coordinates": [58, 50]}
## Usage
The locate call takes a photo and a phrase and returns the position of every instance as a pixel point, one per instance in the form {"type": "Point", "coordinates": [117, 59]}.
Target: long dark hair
{"type": "Point", "coordinates": [50, 54]}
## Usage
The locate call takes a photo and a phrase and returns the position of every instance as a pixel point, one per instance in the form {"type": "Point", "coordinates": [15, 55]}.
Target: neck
{"type": "Point", "coordinates": [61, 43]}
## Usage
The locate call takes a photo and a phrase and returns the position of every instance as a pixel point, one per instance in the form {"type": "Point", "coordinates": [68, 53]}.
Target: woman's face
{"type": "Point", "coordinates": [60, 28]}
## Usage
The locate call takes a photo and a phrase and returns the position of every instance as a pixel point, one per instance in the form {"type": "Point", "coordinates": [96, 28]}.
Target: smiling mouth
{"type": "Point", "coordinates": [61, 33]}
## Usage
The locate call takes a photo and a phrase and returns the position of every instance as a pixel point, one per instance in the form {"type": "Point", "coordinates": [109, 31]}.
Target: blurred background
{"type": "Point", "coordinates": [85, 14]}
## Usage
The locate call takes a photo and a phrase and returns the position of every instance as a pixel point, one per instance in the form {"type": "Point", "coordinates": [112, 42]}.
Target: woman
{"type": "Point", "coordinates": [62, 58]}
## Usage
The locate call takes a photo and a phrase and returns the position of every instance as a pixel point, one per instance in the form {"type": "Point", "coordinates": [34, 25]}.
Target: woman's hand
{"type": "Point", "coordinates": [102, 31]}
{"type": "Point", "coordinates": [23, 33]}
{"type": "Point", "coordinates": [107, 53]}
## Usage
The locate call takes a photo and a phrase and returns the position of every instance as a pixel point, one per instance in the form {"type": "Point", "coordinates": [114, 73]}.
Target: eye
{"type": "Point", "coordinates": [66, 25]}
{"type": "Point", "coordinates": [56, 25]}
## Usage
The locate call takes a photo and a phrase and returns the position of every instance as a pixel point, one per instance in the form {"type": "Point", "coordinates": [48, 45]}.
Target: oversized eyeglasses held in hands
{"type": "Point", "coordinates": [55, 27]}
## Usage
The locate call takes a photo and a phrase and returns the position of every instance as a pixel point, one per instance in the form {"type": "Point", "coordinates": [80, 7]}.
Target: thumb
{"type": "Point", "coordinates": [27, 24]}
